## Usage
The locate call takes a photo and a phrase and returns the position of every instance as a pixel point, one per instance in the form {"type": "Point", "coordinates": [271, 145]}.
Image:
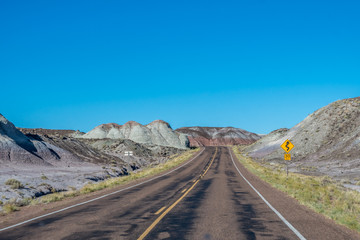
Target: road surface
{"type": "Point", "coordinates": [211, 197]}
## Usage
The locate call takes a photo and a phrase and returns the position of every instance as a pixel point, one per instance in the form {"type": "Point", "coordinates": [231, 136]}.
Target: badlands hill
{"type": "Point", "coordinates": [16, 148]}
{"type": "Point", "coordinates": [218, 136]}
{"type": "Point", "coordinates": [65, 140]}
{"type": "Point", "coordinates": [47, 160]}
{"type": "Point", "coordinates": [155, 133]}
{"type": "Point", "coordinates": [327, 141]}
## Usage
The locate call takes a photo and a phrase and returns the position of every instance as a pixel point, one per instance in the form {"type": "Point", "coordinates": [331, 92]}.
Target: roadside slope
{"type": "Point", "coordinates": [320, 194]}
{"type": "Point", "coordinates": [327, 141]}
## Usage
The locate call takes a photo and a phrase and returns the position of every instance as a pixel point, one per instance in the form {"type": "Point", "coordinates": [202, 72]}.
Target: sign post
{"type": "Point", "coordinates": [287, 146]}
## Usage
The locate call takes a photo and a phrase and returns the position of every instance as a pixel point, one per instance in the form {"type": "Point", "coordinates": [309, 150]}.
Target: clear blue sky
{"type": "Point", "coordinates": [253, 64]}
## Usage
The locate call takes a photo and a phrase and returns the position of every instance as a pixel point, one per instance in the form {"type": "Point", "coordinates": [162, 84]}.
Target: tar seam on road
{"type": "Point", "coordinates": [297, 233]}
{"type": "Point", "coordinates": [103, 196]}
{"type": "Point", "coordinates": [148, 230]}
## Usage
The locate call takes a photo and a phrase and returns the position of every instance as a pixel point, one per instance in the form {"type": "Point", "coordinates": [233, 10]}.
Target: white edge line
{"type": "Point", "coordinates": [267, 203]}
{"type": "Point", "coordinates": [103, 196]}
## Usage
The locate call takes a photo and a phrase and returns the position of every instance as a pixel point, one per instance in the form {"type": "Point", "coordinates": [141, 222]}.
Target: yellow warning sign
{"type": "Point", "coordinates": [287, 156]}
{"type": "Point", "coordinates": [287, 146]}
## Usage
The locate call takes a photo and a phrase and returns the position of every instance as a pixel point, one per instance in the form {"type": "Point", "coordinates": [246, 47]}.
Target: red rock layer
{"type": "Point", "coordinates": [201, 141]}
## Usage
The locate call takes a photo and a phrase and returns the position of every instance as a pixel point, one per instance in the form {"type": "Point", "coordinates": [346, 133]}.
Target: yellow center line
{"type": "Point", "coordinates": [147, 231]}
{"type": "Point", "coordinates": [210, 163]}
{"type": "Point", "coordinates": [160, 210]}
{"type": "Point", "coordinates": [183, 190]}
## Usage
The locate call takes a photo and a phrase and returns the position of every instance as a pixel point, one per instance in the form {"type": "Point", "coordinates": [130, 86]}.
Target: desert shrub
{"type": "Point", "coordinates": [24, 202]}
{"type": "Point", "coordinates": [9, 207]}
{"type": "Point", "coordinates": [43, 177]}
{"type": "Point", "coordinates": [15, 184]}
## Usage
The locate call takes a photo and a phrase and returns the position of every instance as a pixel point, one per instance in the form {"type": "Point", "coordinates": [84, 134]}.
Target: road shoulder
{"type": "Point", "coordinates": [310, 224]}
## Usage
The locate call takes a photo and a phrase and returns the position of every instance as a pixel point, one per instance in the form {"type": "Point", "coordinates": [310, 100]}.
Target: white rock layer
{"type": "Point", "coordinates": [155, 133]}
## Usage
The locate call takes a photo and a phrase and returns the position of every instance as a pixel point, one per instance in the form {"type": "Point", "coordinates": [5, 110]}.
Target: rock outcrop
{"type": "Point", "coordinates": [328, 140]}
{"type": "Point", "coordinates": [218, 136]}
{"type": "Point", "coordinates": [155, 133]}
{"type": "Point", "coordinates": [16, 148]}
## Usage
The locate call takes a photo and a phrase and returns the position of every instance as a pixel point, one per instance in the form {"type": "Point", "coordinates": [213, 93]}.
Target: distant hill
{"type": "Point", "coordinates": [328, 140]}
{"type": "Point", "coordinates": [218, 136]}
{"type": "Point", "coordinates": [155, 133]}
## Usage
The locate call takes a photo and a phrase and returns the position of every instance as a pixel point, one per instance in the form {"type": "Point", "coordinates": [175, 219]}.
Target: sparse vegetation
{"type": "Point", "coordinates": [345, 181]}
{"type": "Point", "coordinates": [9, 207]}
{"type": "Point", "coordinates": [43, 177]}
{"type": "Point", "coordinates": [14, 184]}
{"type": "Point", "coordinates": [321, 194]}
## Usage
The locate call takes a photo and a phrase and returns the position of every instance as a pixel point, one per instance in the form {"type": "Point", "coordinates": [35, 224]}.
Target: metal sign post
{"type": "Point", "coordinates": [287, 146]}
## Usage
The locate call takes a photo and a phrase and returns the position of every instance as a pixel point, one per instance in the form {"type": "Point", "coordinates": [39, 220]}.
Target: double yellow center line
{"type": "Point", "coordinates": [147, 231]}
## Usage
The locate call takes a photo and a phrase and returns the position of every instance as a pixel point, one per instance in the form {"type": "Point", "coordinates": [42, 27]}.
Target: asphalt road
{"type": "Point", "coordinates": [206, 199]}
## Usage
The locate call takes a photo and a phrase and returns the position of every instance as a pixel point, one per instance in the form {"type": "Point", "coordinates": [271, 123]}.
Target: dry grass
{"type": "Point", "coordinates": [14, 184]}
{"type": "Point", "coordinates": [321, 194]}
{"type": "Point", "coordinates": [9, 207]}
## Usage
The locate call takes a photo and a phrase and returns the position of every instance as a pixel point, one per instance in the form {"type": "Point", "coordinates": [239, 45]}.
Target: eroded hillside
{"type": "Point", "coordinates": [326, 142]}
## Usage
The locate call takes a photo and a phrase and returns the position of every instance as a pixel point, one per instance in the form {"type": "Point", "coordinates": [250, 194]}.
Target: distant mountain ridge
{"type": "Point", "coordinates": [218, 136]}
{"type": "Point", "coordinates": [157, 132]}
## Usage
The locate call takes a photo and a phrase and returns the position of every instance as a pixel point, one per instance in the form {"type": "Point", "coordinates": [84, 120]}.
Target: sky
{"type": "Point", "coordinates": [258, 65]}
